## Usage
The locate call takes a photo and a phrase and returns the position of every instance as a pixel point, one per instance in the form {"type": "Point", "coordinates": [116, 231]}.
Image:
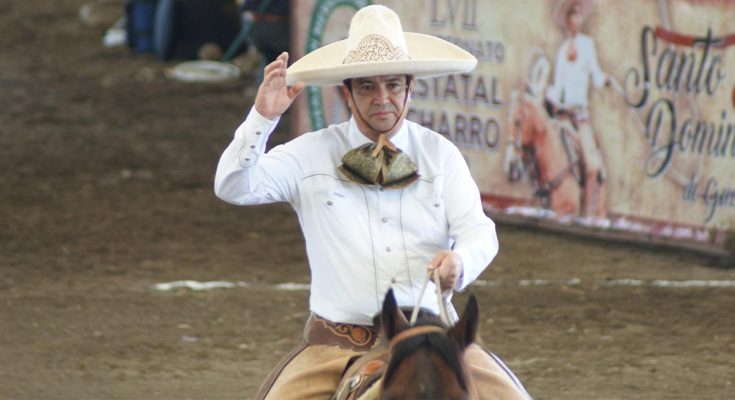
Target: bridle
{"type": "Point", "coordinates": [443, 314]}
{"type": "Point", "coordinates": [418, 330]}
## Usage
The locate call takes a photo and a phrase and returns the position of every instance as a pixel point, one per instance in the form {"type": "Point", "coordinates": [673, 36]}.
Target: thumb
{"type": "Point", "coordinates": [436, 262]}
{"type": "Point", "coordinates": [295, 90]}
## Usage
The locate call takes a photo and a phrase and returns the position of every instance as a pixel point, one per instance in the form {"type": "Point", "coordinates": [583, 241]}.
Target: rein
{"type": "Point", "coordinates": [440, 300]}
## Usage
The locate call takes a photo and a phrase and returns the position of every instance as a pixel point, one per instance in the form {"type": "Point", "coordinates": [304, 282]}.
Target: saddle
{"type": "Point", "coordinates": [361, 379]}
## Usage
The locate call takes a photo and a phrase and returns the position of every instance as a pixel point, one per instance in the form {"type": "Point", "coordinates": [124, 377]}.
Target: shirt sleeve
{"type": "Point", "coordinates": [598, 77]}
{"type": "Point", "coordinates": [553, 92]}
{"type": "Point", "coordinates": [473, 232]}
{"type": "Point", "coordinates": [246, 174]}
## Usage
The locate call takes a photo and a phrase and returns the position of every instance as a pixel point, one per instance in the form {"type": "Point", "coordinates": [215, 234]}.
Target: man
{"type": "Point", "coordinates": [576, 62]}
{"type": "Point", "coordinates": [381, 200]}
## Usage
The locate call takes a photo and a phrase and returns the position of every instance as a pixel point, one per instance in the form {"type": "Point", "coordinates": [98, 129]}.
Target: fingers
{"type": "Point", "coordinates": [449, 269]}
{"type": "Point", "coordinates": [274, 96]}
{"type": "Point", "coordinates": [279, 63]}
{"type": "Point", "coordinates": [276, 69]}
{"type": "Point", "coordinates": [295, 90]}
{"type": "Point", "coordinates": [436, 262]}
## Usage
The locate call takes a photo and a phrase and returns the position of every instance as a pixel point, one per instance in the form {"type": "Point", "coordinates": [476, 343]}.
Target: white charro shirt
{"type": "Point", "coordinates": [571, 77]}
{"type": "Point", "coordinates": [362, 240]}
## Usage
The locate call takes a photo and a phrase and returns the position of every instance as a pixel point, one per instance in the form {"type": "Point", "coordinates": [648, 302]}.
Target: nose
{"type": "Point", "coordinates": [382, 94]}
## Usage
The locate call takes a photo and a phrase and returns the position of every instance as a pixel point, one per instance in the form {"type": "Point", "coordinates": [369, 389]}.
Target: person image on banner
{"type": "Point", "coordinates": [567, 97]}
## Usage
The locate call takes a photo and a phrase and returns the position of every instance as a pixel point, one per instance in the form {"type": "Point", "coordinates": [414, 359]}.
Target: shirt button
{"type": "Point", "coordinates": [436, 204]}
{"type": "Point", "coordinates": [252, 146]}
{"type": "Point", "coordinates": [258, 132]}
{"type": "Point", "coordinates": [384, 219]}
{"type": "Point", "coordinates": [329, 202]}
{"type": "Point", "coordinates": [393, 280]}
{"type": "Point", "coordinates": [387, 249]}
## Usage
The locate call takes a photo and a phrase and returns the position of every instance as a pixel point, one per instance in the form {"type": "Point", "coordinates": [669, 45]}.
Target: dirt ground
{"type": "Point", "coordinates": [106, 190]}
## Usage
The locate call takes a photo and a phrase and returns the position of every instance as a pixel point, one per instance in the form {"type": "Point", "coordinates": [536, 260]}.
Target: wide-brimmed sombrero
{"type": "Point", "coordinates": [586, 8]}
{"type": "Point", "coordinates": [377, 45]}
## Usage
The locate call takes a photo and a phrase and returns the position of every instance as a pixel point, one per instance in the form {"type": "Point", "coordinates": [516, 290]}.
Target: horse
{"type": "Point", "coordinates": [550, 148]}
{"type": "Point", "coordinates": [423, 360]}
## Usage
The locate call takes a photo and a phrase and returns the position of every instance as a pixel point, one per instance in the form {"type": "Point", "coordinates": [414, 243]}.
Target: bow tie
{"type": "Point", "coordinates": [379, 163]}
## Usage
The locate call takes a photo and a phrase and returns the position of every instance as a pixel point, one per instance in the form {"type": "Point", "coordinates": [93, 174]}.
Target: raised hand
{"type": "Point", "coordinates": [274, 97]}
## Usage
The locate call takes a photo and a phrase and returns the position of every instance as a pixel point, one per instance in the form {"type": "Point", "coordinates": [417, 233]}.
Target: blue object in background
{"type": "Point", "coordinates": [140, 24]}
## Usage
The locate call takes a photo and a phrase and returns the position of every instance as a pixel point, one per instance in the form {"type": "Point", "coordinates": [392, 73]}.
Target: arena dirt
{"type": "Point", "coordinates": [106, 190]}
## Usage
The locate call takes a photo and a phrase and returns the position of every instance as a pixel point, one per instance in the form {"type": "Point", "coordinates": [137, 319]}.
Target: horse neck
{"type": "Point", "coordinates": [537, 123]}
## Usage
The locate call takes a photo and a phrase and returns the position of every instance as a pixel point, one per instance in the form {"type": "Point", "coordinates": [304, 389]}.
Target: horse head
{"type": "Point", "coordinates": [426, 360]}
{"type": "Point", "coordinates": [524, 115]}
{"type": "Point", "coordinates": [520, 137]}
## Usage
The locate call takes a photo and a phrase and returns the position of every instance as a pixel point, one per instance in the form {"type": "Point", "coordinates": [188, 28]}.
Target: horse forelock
{"type": "Point", "coordinates": [434, 342]}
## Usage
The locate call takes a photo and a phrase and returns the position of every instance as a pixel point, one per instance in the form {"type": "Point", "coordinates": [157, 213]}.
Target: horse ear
{"type": "Point", "coordinates": [465, 331]}
{"type": "Point", "coordinates": [392, 318]}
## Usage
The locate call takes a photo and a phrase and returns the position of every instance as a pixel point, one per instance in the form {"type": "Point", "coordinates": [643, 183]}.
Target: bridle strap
{"type": "Point", "coordinates": [439, 299]}
{"type": "Point", "coordinates": [415, 331]}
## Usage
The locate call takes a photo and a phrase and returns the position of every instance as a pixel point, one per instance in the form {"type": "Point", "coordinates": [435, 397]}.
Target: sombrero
{"type": "Point", "coordinates": [587, 7]}
{"type": "Point", "coordinates": [377, 45]}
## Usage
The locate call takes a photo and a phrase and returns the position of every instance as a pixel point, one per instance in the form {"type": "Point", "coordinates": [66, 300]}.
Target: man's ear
{"type": "Point", "coordinates": [394, 322]}
{"type": "Point", "coordinates": [345, 91]}
{"type": "Point", "coordinates": [465, 331]}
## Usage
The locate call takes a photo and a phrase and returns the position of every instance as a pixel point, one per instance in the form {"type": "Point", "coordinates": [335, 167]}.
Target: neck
{"type": "Point", "coordinates": [373, 134]}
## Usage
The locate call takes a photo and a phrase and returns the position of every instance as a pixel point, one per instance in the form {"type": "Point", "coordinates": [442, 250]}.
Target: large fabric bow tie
{"type": "Point", "coordinates": [379, 163]}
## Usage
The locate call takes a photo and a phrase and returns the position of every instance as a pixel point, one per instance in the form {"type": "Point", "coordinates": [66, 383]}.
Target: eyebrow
{"type": "Point", "coordinates": [373, 80]}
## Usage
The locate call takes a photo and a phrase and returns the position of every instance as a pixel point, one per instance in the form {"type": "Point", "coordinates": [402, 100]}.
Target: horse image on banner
{"type": "Point", "coordinates": [543, 149]}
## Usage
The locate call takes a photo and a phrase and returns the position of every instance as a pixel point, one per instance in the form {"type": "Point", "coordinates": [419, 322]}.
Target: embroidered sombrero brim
{"type": "Point", "coordinates": [429, 56]}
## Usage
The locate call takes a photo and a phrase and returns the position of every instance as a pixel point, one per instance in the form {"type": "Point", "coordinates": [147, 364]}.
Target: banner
{"type": "Point", "coordinates": [605, 116]}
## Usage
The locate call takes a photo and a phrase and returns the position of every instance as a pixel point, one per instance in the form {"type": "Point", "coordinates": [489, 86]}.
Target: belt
{"type": "Point", "coordinates": [257, 17]}
{"type": "Point", "coordinates": [320, 331]}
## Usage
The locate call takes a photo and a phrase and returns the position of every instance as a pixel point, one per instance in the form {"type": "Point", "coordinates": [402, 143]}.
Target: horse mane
{"type": "Point", "coordinates": [436, 342]}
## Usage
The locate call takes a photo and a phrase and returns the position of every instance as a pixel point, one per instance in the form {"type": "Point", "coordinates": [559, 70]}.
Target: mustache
{"type": "Point", "coordinates": [383, 108]}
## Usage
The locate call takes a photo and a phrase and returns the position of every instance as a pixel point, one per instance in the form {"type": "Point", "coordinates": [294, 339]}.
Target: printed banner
{"type": "Point", "coordinates": [604, 115]}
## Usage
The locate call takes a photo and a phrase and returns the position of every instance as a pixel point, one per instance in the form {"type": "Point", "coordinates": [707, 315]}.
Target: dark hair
{"type": "Point", "coordinates": [571, 10]}
{"type": "Point", "coordinates": [348, 82]}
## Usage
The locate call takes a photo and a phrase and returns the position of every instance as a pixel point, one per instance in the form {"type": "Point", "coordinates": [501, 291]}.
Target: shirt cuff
{"type": "Point", "coordinates": [459, 285]}
{"type": "Point", "coordinates": [252, 136]}
{"type": "Point", "coordinates": [256, 124]}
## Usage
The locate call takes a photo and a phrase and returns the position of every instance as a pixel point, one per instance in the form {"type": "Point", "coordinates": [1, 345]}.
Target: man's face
{"type": "Point", "coordinates": [380, 99]}
{"type": "Point", "coordinates": [574, 19]}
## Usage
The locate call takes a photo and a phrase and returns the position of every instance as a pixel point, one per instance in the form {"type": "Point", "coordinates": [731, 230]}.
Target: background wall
{"type": "Point", "coordinates": [665, 125]}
